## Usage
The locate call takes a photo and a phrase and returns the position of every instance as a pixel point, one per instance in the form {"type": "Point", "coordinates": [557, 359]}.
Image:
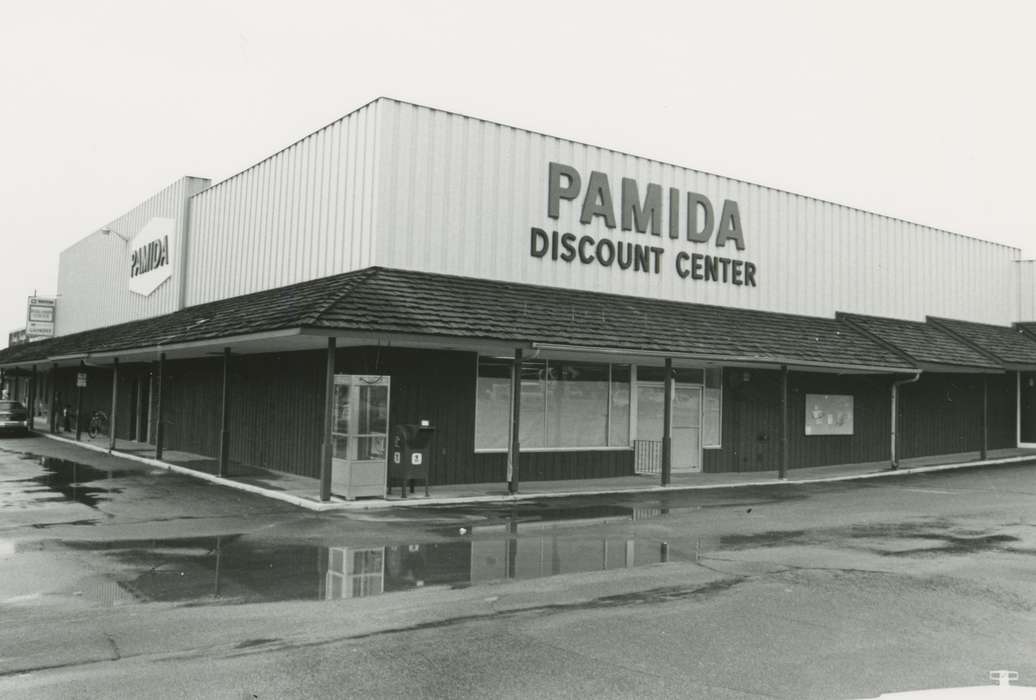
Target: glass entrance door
{"type": "Point", "coordinates": [686, 421]}
{"type": "Point", "coordinates": [687, 428]}
{"type": "Point", "coordinates": [360, 435]}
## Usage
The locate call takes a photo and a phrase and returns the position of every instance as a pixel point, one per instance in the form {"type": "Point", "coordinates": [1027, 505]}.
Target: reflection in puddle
{"type": "Point", "coordinates": [233, 569]}
{"type": "Point", "coordinates": [76, 482]}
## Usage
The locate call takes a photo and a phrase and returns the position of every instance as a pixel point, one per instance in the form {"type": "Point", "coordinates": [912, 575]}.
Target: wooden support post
{"type": "Point", "coordinates": [55, 410]}
{"type": "Point", "coordinates": [984, 454]}
{"type": "Point", "coordinates": [79, 403]}
{"type": "Point", "coordinates": [224, 426]}
{"type": "Point", "coordinates": [667, 424]}
{"type": "Point", "coordinates": [782, 469]}
{"type": "Point", "coordinates": [159, 412]}
{"type": "Point", "coordinates": [115, 404]}
{"type": "Point", "coordinates": [327, 450]}
{"type": "Point", "coordinates": [33, 394]}
{"type": "Point", "coordinates": [514, 446]}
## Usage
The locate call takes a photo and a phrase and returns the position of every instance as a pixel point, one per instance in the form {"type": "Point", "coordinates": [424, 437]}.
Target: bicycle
{"type": "Point", "coordinates": [98, 424]}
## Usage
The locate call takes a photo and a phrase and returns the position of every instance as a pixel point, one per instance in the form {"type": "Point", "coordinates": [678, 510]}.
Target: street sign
{"type": "Point", "coordinates": [39, 322]}
{"type": "Point", "coordinates": [81, 379]}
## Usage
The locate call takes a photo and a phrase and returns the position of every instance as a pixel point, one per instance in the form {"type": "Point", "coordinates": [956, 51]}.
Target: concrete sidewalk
{"type": "Point", "coordinates": [304, 491]}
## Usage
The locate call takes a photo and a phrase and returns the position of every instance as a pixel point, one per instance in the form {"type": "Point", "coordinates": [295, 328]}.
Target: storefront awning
{"type": "Point", "coordinates": [1010, 346]}
{"type": "Point", "coordinates": [928, 346]}
{"type": "Point", "coordinates": [388, 305]}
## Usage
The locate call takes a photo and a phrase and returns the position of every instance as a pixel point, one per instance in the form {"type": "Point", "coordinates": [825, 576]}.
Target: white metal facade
{"type": "Point", "coordinates": [1026, 290]}
{"type": "Point", "coordinates": [93, 274]}
{"type": "Point", "coordinates": [303, 213]}
{"type": "Point", "coordinates": [404, 186]}
{"type": "Point", "coordinates": [460, 195]}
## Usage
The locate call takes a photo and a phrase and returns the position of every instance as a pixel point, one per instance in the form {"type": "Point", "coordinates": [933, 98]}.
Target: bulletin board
{"type": "Point", "coordinates": [829, 414]}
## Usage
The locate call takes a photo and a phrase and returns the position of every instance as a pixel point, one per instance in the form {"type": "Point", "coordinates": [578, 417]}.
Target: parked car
{"type": "Point", "coordinates": [14, 417]}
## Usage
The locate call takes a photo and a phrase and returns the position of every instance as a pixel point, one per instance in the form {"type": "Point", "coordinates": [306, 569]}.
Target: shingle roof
{"type": "Point", "coordinates": [922, 343]}
{"type": "Point", "coordinates": [421, 303]}
{"type": "Point", "coordinates": [380, 300]}
{"type": "Point", "coordinates": [1009, 345]}
{"type": "Point", "coordinates": [270, 310]}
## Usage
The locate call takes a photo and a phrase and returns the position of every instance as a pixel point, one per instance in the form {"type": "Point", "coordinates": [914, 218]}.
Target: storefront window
{"type": "Point", "coordinates": [492, 403]}
{"type": "Point", "coordinates": [534, 410]}
{"type": "Point", "coordinates": [563, 404]}
{"type": "Point", "coordinates": [577, 405]}
{"type": "Point", "coordinates": [712, 408]}
{"type": "Point", "coordinates": [619, 420]}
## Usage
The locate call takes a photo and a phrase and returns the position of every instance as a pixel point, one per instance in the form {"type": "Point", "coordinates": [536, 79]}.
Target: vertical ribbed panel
{"type": "Point", "coordinates": [93, 274]}
{"type": "Point", "coordinates": [1027, 290]}
{"type": "Point", "coordinates": [460, 195]}
{"type": "Point", "coordinates": [303, 213]}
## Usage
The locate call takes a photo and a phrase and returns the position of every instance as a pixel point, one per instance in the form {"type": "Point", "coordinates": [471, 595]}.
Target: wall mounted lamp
{"type": "Point", "coordinates": [109, 232]}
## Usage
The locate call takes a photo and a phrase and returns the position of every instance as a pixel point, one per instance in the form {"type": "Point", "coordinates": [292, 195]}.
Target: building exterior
{"type": "Point", "coordinates": [552, 309]}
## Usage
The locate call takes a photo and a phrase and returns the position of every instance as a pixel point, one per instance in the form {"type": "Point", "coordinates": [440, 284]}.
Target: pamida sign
{"type": "Point", "coordinates": [658, 232]}
{"type": "Point", "coordinates": [150, 261]}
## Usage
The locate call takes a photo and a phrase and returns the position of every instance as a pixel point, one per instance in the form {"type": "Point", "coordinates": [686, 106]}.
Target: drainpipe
{"type": "Point", "coordinates": [895, 412]}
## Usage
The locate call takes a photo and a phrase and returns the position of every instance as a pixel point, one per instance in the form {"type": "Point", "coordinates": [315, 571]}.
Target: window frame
{"type": "Point", "coordinates": [546, 379]}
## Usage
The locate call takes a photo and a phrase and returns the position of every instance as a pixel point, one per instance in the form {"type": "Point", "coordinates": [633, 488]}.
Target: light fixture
{"type": "Point", "coordinates": [106, 231]}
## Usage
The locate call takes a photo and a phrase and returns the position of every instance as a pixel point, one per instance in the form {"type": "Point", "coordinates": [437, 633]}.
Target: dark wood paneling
{"type": "Point", "coordinates": [751, 423]}
{"type": "Point", "coordinates": [872, 409]}
{"type": "Point", "coordinates": [555, 466]}
{"type": "Point", "coordinates": [437, 386]}
{"type": "Point", "coordinates": [191, 405]}
{"type": "Point", "coordinates": [1003, 410]}
{"type": "Point", "coordinates": [276, 410]}
{"type": "Point", "coordinates": [942, 414]}
{"type": "Point", "coordinates": [277, 403]}
{"type": "Point", "coordinates": [1028, 406]}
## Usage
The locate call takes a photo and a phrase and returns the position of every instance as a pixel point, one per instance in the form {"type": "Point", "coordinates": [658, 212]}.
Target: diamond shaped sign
{"type": "Point", "coordinates": [151, 251]}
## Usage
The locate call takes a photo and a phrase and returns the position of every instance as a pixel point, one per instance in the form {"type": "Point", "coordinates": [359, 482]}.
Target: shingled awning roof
{"type": "Point", "coordinates": [925, 345]}
{"type": "Point", "coordinates": [394, 303]}
{"type": "Point", "coordinates": [282, 308]}
{"type": "Point", "coordinates": [1009, 345]}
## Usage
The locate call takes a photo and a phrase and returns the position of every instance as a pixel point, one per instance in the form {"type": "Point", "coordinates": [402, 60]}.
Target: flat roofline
{"type": "Point", "coordinates": [703, 172]}
{"type": "Point", "coordinates": [602, 148]}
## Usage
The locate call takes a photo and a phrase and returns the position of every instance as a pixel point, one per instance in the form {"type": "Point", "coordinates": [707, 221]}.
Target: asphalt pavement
{"type": "Point", "coordinates": [120, 580]}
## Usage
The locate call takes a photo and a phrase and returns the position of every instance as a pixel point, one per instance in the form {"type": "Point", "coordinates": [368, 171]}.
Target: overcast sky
{"type": "Point", "coordinates": [920, 110]}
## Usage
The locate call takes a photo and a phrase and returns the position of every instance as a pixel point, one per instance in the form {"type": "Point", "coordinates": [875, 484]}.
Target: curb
{"type": "Point", "coordinates": [258, 490]}
{"type": "Point", "coordinates": [339, 504]}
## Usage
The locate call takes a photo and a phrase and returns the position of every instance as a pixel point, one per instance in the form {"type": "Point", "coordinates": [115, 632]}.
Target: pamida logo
{"type": "Point", "coordinates": [150, 260]}
{"type": "Point", "coordinates": [641, 246]}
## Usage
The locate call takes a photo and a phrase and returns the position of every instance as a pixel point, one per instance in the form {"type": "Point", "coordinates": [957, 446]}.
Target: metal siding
{"type": "Point", "coordinates": [1027, 290]}
{"type": "Point", "coordinates": [93, 274]}
{"type": "Point", "coordinates": [301, 214]}
{"type": "Point", "coordinates": [459, 195]}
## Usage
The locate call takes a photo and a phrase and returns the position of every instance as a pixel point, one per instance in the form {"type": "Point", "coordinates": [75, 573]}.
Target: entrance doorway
{"type": "Point", "coordinates": [360, 435]}
{"type": "Point", "coordinates": [686, 423]}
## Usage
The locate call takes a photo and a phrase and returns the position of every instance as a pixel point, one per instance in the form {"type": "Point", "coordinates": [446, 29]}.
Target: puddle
{"type": "Point", "coordinates": [235, 569]}
{"type": "Point", "coordinates": [76, 482]}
